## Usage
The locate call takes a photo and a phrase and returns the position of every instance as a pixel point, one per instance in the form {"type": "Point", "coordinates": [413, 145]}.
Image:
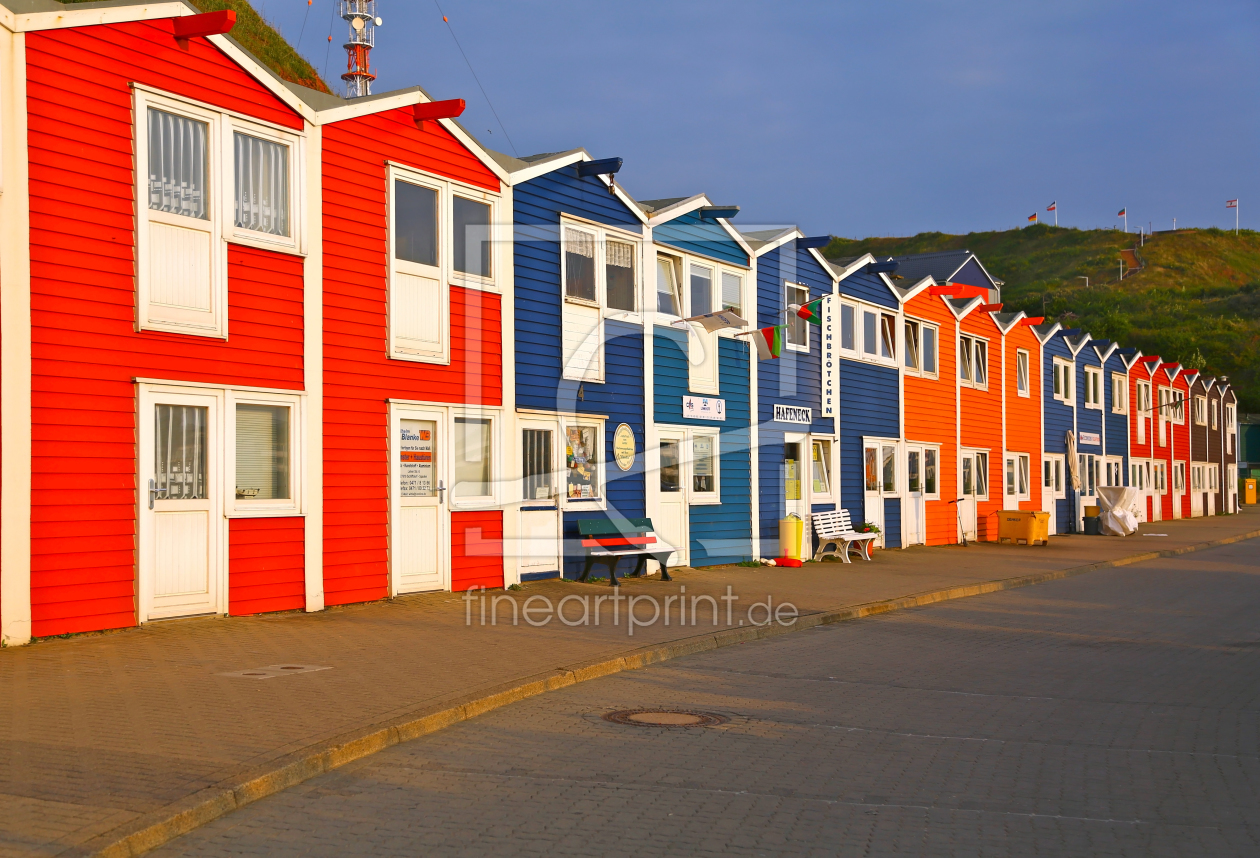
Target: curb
{"type": "Point", "coordinates": [211, 803]}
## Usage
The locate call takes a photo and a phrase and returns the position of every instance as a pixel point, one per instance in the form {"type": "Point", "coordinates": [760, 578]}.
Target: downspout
{"type": "Point", "coordinates": [1077, 511]}
{"type": "Point", "coordinates": [957, 427]}
{"type": "Point", "coordinates": [1005, 451]}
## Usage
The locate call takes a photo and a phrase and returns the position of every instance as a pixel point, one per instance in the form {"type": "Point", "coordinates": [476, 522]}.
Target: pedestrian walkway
{"type": "Point", "coordinates": [106, 735]}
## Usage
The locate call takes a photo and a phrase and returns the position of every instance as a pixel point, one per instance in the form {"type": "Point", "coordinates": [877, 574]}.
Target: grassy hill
{"type": "Point", "coordinates": [1197, 300]}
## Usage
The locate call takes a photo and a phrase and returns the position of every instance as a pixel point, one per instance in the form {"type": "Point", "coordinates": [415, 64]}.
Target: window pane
{"type": "Point", "coordinates": [912, 471]}
{"type": "Point", "coordinates": [929, 349]}
{"type": "Point", "coordinates": [471, 221]}
{"type": "Point", "coordinates": [982, 473]}
{"type": "Point", "coordinates": [472, 458]}
{"type": "Point", "coordinates": [797, 328]}
{"type": "Point", "coordinates": [964, 358]}
{"type": "Point", "coordinates": [671, 480]}
{"type": "Point", "coordinates": [732, 293]}
{"type": "Point", "coordinates": [262, 452]}
{"type": "Point", "coordinates": [1058, 380]}
{"type": "Point", "coordinates": [792, 471]}
{"type": "Point", "coordinates": [537, 466]}
{"type": "Point", "coordinates": [417, 446]}
{"type": "Point", "coordinates": [415, 223]}
{"type": "Point", "coordinates": [619, 273]}
{"type": "Point", "coordinates": [703, 478]}
{"type": "Point", "coordinates": [582, 461]}
{"type": "Point", "coordinates": [846, 327]}
{"type": "Point", "coordinates": [1021, 371]}
{"type": "Point", "coordinates": [178, 165]}
{"type": "Point", "coordinates": [262, 185]}
{"type": "Point", "coordinates": [870, 333]}
{"type": "Point", "coordinates": [1023, 475]}
{"type": "Point", "coordinates": [912, 345]}
{"type": "Point", "coordinates": [666, 288]}
{"type": "Point", "coordinates": [871, 469]}
{"type": "Point", "coordinates": [701, 290]}
{"type": "Point", "coordinates": [1046, 479]}
{"type": "Point", "coordinates": [969, 487]}
{"type": "Point", "coordinates": [1058, 475]}
{"type": "Point", "coordinates": [888, 337]}
{"type": "Point", "coordinates": [982, 362]}
{"type": "Point", "coordinates": [579, 264]}
{"type": "Point", "coordinates": [822, 467]}
{"type": "Point", "coordinates": [929, 472]}
{"type": "Point", "coordinates": [1010, 476]}
{"type": "Point", "coordinates": [890, 469]}
{"type": "Point", "coordinates": [179, 466]}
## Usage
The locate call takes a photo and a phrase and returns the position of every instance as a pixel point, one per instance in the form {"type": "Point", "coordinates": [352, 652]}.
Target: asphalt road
{"type": "Point", "coordinates": [1116, 713]}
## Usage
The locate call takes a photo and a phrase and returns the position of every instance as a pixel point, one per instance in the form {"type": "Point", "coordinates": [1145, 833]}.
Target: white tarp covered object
{"type": "Point", "coordinates": [1118, 516]}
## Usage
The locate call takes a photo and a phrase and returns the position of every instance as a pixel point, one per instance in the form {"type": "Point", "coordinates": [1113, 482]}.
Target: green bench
{"type": "Point", "coordinates": [604, 541]}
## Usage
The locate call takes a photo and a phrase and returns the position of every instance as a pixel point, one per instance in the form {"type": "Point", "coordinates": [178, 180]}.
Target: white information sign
{"type": "Point", "coordinates": [1091, 438]}
{"type": "Point", "coordinates": [703, 408]}
{"type": "Point", "coordinates": [415, 466]}
{"type": "Point", "coordinates": [830, 358]}
{"type": "Point", "coordinates": [793, 414]}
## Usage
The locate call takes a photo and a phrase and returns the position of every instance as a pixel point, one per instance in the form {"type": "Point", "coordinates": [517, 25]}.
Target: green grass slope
{"type": "Point", "coordinates": [261, 39]}
{"type": "Point", "coordinates": [1197, 300]}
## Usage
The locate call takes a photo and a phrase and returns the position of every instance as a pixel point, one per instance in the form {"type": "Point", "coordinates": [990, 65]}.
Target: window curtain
{"type": "Point", "coordinates": [178, 165]}
{"type": "Point", "coordinates": [262, 185]}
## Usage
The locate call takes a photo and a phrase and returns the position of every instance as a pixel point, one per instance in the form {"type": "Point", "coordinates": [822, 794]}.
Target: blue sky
{"type": "Point", "coordinates": [853, 118]}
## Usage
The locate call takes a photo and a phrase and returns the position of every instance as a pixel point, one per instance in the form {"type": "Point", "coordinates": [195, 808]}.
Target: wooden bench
{"type": "Point", "coordinates": [835, 531]}
{"type": "Point", "coordinates": [604, 541]}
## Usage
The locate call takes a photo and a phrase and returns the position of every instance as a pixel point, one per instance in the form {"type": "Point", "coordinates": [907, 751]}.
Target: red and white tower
{"type": "Point", "coordinates": [360, 15]}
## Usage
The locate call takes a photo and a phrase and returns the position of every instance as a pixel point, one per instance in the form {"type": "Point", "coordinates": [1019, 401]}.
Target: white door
{"type": "Point", "coordinates": [973, 479]}
{"type": "Point", "coordinates": [670, 521]}
{"type": "Point", "coordinates": [797, 486]}
{"type": "Point", "coordinates": [539, 549]}
{"type": "Point", "coordinates": [872, 494]}
{"type": "Point", "coordinates": [914, 530]}
{"type": "Point", "coordinates": [181, 509]}
{"type": "Point", "coordinates": [420, 531]}
{"type": "Point", "coordinates": [1198, 491]}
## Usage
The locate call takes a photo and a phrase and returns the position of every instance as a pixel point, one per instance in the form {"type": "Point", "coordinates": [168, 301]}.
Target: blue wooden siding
{"type": "Point", "coordinates": [1117, 424]}
{"type": "Point", "coordinates": [972, 274]}
{"type": "Point", "coordinates": [720, 533]}
{"type": "Point", "coordinates": [868, 287]}
{"type": "Point", "coordinates": [707, 238]}
{"type": "Point", "coordinates": [892, 522]}
{"type": "Point", "coordinates": [1087, 419]}
{"type": "Point", "coordinates": [1058, 417]}
{"type": "Point", "coordinates": [868, 408]}
{"type": "Point", "coordinates": [538, 205]}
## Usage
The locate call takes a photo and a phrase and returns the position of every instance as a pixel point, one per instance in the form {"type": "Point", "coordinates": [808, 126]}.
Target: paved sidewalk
{"type": "Point", "coordinates": [102, 735]}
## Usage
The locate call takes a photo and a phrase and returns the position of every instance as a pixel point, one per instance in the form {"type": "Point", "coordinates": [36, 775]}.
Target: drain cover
{"type": "Point", "coordinates": [665, 718]}
{"type": "Point", "coordinates": [271, 671]}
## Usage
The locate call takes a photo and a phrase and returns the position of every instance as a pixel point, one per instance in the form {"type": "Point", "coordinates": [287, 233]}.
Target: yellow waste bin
{"type": "Point", "coordinates": [1249, 491]}
{"type": "Point", "coordinates": [1017, 525]}
{"type": "Point", "coordinates": [790, 531]}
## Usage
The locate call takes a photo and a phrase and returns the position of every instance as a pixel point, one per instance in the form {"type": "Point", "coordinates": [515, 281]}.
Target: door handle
{"type": "Point", "coordinates": [441, 491]}
{"type": "Point", "coordinates": [155, 492]}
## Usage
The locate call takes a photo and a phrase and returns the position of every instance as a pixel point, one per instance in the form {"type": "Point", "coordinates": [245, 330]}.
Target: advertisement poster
{"type": "Point", "coordinates": [415, 466]}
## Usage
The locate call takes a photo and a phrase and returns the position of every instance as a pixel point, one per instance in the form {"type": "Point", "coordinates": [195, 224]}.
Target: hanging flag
{"type": "Point", "coordinates": [769, 342]}
{"type": "Point", "coordinates": [1032, 218]}
{"type": "Point", "coordinates": [1231, 204]}
{"type": "Point", "coordinates": [811, 312]}
{"type": "Point", "coordinates": [1052, 206]}
{"type": "Point", "coordinates": [1121, 213]}
{"type": "Point", "coordinates": [717, 321]}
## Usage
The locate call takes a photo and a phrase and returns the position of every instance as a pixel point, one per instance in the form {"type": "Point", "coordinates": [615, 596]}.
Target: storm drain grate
{"type": "Point", "coordinates": [665, 718]}
{"type": "Point", "coordinates": [271, 671]}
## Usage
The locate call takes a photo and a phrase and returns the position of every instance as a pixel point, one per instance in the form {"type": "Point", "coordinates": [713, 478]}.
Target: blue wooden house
{"type": "Point", "coordinates": [1060, 404]}
{"type": "Point", "coordinates": [700, 437]}
{"type": "Point", "coordinates": [1114, 362]}
{"type": "Point", "coordinates": [583, 290]}
{"type": "Point", "coordinates": [797, 407]}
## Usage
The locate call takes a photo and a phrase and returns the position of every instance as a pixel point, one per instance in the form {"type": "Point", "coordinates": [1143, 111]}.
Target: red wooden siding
{"type": "Point", "coordinates": [358, 374]}
{"type": "Point", "coordinates": [476, 550]}
{"type": "Point", "coordinates": [981, 423]}
{"type": "Point", "coordinates": [266, 565]}
{"type": "Point", "coordinates": [931, 416]}
{"type": "Point", "coordinates": [85, 351]}
{"type": "Point", "coordinates": [1023, 413]}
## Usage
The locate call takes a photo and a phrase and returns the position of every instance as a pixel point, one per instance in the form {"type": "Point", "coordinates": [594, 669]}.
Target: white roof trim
{"type": "Point", "coordinates": [31, 22]}
{"type": "Point", "coordinates": [1055, 327]}
{"type": "Point", "coordinates": [847, 270]}
{"type": "Point", "coordinates": [822, 260]}
{"type": "Point", "coordinates": [356, 108]}
{"type": "Point", "coordinates": [1020, 315]}
{"type": "Point", "coordinates": [263, 75]}
{"type": "Point", "coordinates": [1130, 360]}
{"type": "Point", "coordinates": [786, 236]}
{"type": "Point", "coordinates": [680, 208]}
{"type": "Point", "coordinates": [971, 256]}
{"type": "Point", "coordinates": [1103, 357]}
{"type": "Point", "coordinates": [926, 283]}
{"type": "Point", "coordinates": [567, 159]}
{"type": "Point", "coordinates": [1076, 351]}
{"type": "Point", "coordinates": [972, 302]}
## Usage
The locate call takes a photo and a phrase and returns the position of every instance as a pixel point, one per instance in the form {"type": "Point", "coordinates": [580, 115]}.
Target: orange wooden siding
{"type": "Point", "coordinates": [266, 565]}
{"type": "Point", "coordinates": [359, 377]}
{"type": "Point", "coordinates": [476, 550]}
{"type": "Point", "coordinates": [931, 416]}
{"type": "Point", "coordinates": [85, 350]}
{"type": "Point", "coordinates": [1023, 413]}
{"type": "Point", "coordinates": [981, 423]}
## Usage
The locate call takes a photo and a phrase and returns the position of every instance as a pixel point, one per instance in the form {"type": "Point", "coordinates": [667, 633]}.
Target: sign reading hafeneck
{"type": "Point", "coordinates": [793, 414]}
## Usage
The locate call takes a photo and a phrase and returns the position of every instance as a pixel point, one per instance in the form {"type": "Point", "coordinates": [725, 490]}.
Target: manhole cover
{"type": "Point", "coordinates": [665, 718]}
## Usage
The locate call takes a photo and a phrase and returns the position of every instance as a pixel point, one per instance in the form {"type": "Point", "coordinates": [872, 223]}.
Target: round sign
{"type": "Point", "coordinates": [623, 447]}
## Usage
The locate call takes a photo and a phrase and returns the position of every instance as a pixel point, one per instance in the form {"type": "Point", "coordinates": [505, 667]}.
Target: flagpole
{"type": "Point", "coordinates": [1235, 217]}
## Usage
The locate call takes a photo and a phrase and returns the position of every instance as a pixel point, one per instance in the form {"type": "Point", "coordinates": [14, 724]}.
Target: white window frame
{"type": "Point", "coordinates": [1016, 467]}
{"type": "Point", "coordinates": [854, 353]}
{"type": "Point", "coordinates": [788, 286]}
{"type": "Point", "coordinates": [291, 243]}
{"type": "Point", "coordinates": [1215, 408]}
{"type": "Point", "coordinates": [1119, 393]}
{"type": "Point", "coordinates": [1199, 410]}
{"type": "Point", "coordinates": [967, 351]}
{"type": "Point", "coordinates": [1056, 488]}
{"type": "Point", "coordinates": [602, 235]}
{"type": "Point", "coordinates": [704, 375]}
{"type": "Point", "coordinates": [245, 508]}
{"type": "Point", "coordinates": [1023, 373]}
{"type": "Point", "coordinates": [919, 326]}
{"type": "Point", "coordinates": [898, 466]}
{"type": "Point", "coordinates": [678, 263]}
{"type": "Point", "coordinates": [493, 499]}
{"type": "Point", "coordinates": [831, 494]}
{"type": "Point", "coordinates": [577, 504]}
{"type": "Point", "coordinates": [695, 498]}
{"type": "Point", "coordinates": [1093, 388]}
{"type": "Point", "coordinates": [1065, 372]}
{"type": "Point", "coordinates": [1179, 477]}
{"type": "Point", "coordinates": [935, 449]}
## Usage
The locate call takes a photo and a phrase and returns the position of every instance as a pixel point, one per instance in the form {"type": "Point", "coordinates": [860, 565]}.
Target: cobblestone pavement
{"type": "Point", "coordinates": [1117, 713]}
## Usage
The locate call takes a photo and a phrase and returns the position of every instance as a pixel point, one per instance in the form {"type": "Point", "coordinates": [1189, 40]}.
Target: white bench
{"type": "Point", "coordinates": [835, 532]}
